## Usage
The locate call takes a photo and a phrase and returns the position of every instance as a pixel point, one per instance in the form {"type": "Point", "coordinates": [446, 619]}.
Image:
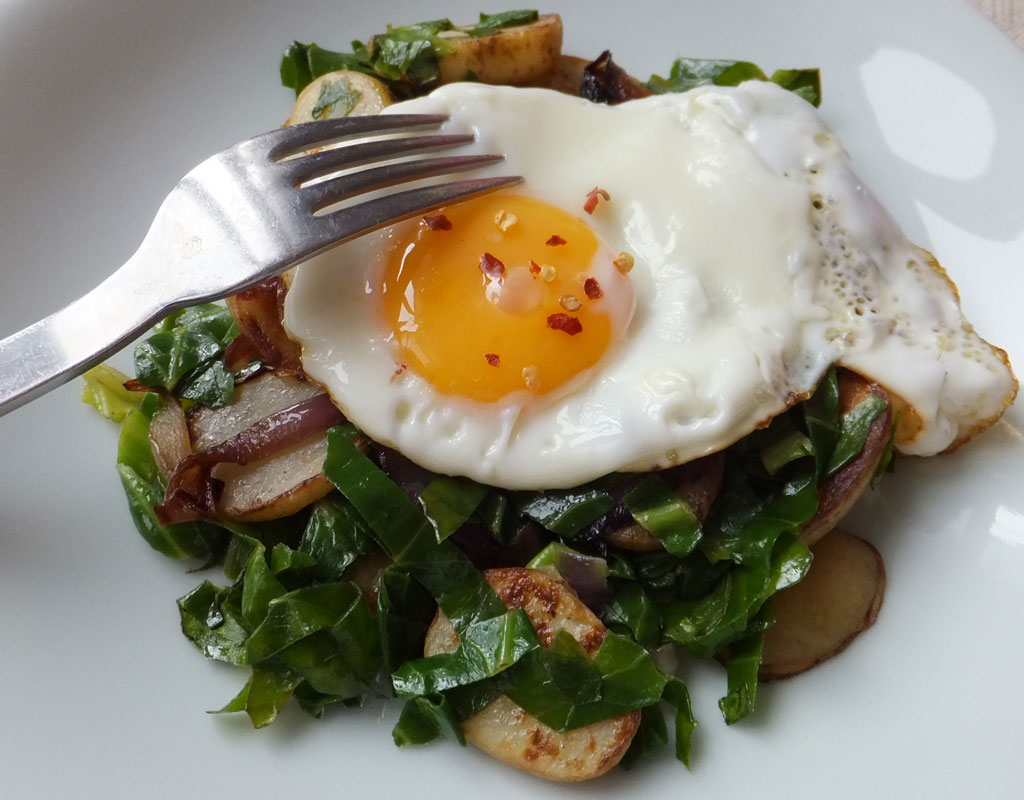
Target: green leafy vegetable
{"type": "Point", "coordinates": [403, 532]}
{"type": "Point", "coordinates": [787, 448]}
{"type": "Point", "coordinates": [490, 23]}
{"type": "Point", "coordinates": [404, 612]}
{"type": "Point", "coordinates": [335, 537]}
{"type": "Point", "coordinates": [854, 428]}
{"type": "Point", "coordinates": [651, 735]}
{"type": "Point", "coordinates": [449, 502]}
{"type": "Point", "coordinates": [182, 355]}
{"type": "Point", "coordinates": [631, 611]}
{"type": "Point", "coordinates": [212, 385]}
{"type": "Point", "coordinates": [886, 463]}
{"type": "Point", "coordinates": [821, 416]}
{"type": "Point", "coordinates": [665, 514]}
{"type": "Point", "coordinates": [689, 73]}
{"type": "Point", "coordinates": [211, 618]}
{"type": "Point", "coordinates": [424, 718]}
{"type": "Point", "coordinates": [104, 390]}
{"type": "Point", "coordinates": [488, 647]}
{"type": "Point", "coordinates": [301, 63]}
{"type": "Point", "coordinates": [677, 696]}
{"type": "Point", "coordinates": [803, 82]}
{"type": "Point", "coordinates": [264, 695]}
{"type": "Point", "coordinates": [260, 587]}
{"type": "Point", "coordinates": [744, 661]}
{"type": "Point", "coordinates": [337, 99]}
{"type": "Point", "coordinates": [709, 623]}
{"type": "Point", "coordinates": [565, 512]}
{"type": "Point", "coordinates": [412, 53]}
{"type": "Point", "coordinates": [565, 690]}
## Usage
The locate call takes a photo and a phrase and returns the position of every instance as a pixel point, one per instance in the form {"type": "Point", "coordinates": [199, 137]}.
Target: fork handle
{"type": "Point", "coordinates": [65, 344]}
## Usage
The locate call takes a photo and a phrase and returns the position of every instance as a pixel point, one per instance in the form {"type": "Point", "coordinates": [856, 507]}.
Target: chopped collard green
{"type": "Point", "coordinates": [292, 614]}
{"type": "Point", "coordinates": [689, 73]}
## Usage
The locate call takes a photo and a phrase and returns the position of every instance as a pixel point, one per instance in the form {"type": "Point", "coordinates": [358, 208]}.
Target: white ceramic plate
{"type": "Point", "coordinates": [105, 104]}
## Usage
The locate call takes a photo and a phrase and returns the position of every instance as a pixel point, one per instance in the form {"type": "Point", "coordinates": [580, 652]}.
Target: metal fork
{"type": "Point", "coordinates": [239, 218]}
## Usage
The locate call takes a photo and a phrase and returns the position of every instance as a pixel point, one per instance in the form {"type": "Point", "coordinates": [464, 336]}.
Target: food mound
{"type": "Point", "coordinates": [500, 459]}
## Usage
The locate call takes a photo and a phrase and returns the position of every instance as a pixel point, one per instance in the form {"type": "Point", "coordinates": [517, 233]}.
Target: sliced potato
{"type": "Point", "coordinates": [507, 732]}
{"type": "Point", "coordinates": [818, 617]}
{"type": "Point", "coordinates": [339, 94]}
{"type": "Point", "coordinates": [566, 76]}
{"type": "Point", "coordinates": [837, 495]}
{"type": "Point", "coordinates": [272, 487]}
{"type": "Point", "coordinates": [517, 56]}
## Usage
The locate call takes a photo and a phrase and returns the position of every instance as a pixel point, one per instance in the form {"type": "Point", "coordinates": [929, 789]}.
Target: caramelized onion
{"type": "Point", "coordinates": [257, 312]}
{"type": "Point", "coordinates": [604, 81]}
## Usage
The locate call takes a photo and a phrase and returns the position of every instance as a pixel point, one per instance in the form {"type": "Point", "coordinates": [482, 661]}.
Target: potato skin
{"type": "Point", "coordinates": [817, 618]}
{"type": "Point", "coordinates": [514, 56]}
{"type": "Point", "coordinates": [507, 732]}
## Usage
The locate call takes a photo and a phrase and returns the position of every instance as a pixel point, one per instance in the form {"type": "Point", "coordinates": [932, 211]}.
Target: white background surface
{"type": "Point", "coordinates": [104, 105]}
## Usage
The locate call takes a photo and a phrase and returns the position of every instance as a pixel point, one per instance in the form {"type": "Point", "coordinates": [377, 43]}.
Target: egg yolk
{"type": "Point", "coordinates": [502, 294]}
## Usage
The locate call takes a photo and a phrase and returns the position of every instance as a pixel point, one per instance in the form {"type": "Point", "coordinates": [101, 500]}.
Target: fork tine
{"type": "Point", "coordinates": [355, 220]}
{"type": "Point", "coordinates": [316, 165]}
{"type": "Point", "coordinates": [284, 142]}
{"type": "Point", "coordinates": [325, 193]}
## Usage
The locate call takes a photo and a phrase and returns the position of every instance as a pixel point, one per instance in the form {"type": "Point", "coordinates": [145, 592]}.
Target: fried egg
{"type": "Point", "coordinates": [672, 273]}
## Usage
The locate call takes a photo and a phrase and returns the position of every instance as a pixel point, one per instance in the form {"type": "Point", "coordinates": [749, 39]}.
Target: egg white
{"type": "Point", "coordinates": [760, 261]}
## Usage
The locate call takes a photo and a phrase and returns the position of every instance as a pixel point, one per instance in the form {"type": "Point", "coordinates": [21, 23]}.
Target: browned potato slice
{"type": "Point", "coordinates": [818, 617]}
{"type": "Point", "coordinates": [515, 56]}
{"type": "Point", "coordinates": [566, 77]}
{"type": "Point", "coordinates": [503, 729]}
{"type": "Point", "coordinates": [697, 482]}
{"type": "Point", "coordinates": [634, 538]}
{"type": "Point", "coordinates": [273, 487]}
{"type": "Point", "coordinates": [339, 94]}
{"type": "Point", "coordinates": [837, 495]}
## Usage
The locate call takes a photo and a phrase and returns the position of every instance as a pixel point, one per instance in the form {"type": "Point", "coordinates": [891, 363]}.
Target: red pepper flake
{"type": "Point", "coordinates": [555, 240]}
{"type": "Point", "coordinates": [437, 222]}
{"type": "Point", "coordinates": [491, 267]}
{"type": "Point", "coordinates": [592, 289]}
{"type": "Point", "coordinates": [401, 368]}
{"type": "Point", "coordinates": [493, 359]}
{"type": "Point", "coordinates": [534, 267]}
{"type": "Point", "coordinates": [592, 198]}
{"type": "Point", "coordinates": [565, 323]}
